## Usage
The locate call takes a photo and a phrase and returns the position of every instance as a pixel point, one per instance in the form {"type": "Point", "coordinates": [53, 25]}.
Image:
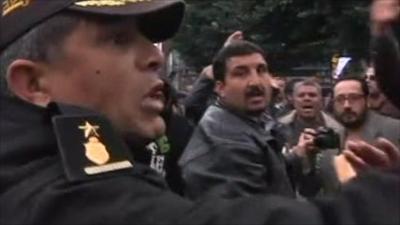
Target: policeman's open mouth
{"type": "Point", "coordinates": [157, 92]}
{"type": "Point", "coordinates": [155, 99]}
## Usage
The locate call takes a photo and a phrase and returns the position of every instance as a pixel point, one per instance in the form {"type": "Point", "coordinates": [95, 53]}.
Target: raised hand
{"type": "Point", "coordinates": [383, 13]}
{"type": "Point", "coordinates": [237, 35]}
{"type": "Point", "coordinates": [383, 154]}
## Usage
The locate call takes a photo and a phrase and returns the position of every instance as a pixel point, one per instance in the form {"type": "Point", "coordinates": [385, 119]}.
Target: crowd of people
{"type": "Point", "coordinates": [91, 134]}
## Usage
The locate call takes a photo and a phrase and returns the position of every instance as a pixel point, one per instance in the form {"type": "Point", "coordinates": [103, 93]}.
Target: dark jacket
{"type": "Point", "coordinates": [231, 155]}
{"type": "Point", "coordinates": [35, 189]}
{"type": "Point", "coordinates": [386, 57]}
{"type": "Point", "coordinates": [178, 132]}
{"type": "Point", "coordinates": [163, 153]}
{"type": "Point", "coordinates": [198, 100]}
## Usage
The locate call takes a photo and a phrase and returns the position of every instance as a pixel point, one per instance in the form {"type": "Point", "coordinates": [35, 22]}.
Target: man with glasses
{"type": "Point", "coordinates": [350, 108]}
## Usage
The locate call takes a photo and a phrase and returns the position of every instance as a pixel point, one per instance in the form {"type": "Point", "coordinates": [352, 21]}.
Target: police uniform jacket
{"type": "Point", "coordinates": [38, 185]}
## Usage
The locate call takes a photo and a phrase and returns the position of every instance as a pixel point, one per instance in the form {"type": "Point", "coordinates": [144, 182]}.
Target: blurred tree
{"type": "Point", "coordinates": [293, 32]}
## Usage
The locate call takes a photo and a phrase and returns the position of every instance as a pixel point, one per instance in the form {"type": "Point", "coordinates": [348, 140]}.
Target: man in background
{"type": "Point", "coordinates": [303, 125]}
{"type": "Point", "coordinates": [377, 101]}
{"type": "Point", "coordinates": [231, 153]}
{"type": "Point", "coordinates": [350, 108]}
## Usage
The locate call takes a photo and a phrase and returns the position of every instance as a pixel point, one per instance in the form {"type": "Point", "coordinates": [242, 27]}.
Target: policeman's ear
{"type": "Point", "coordinates": [220, 88]}
{"type": "Point", "coordinates": [26, 80]}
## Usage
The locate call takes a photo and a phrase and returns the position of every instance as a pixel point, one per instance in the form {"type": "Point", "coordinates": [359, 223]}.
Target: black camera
{"type": "Point", "coordinates": [326, 138]}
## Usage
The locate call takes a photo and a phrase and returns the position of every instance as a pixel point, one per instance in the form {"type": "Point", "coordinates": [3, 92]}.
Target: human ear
{"type": "Point", "coordinates": [219, 88]}
{"type": "Point", "coordinates": [26, 79]}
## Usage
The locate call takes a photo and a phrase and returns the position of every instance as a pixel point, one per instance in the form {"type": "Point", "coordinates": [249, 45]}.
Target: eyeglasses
{"type": "Point", "coordinates": [352, 98]}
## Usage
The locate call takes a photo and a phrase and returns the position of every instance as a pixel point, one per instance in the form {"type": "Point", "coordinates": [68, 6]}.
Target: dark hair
{"type": "Point", "coordinates": [288, 90]}
{"type": "Point", "coordinates": [307, 82]}
{"type": "Point", "coordinates": [352, 69]}
{"type": "Point", "coordinates": [363, 83]}
{"type": "Point", "coordinates": [236, 48]}
{"type": "Point", "coordinates": [41, 44]}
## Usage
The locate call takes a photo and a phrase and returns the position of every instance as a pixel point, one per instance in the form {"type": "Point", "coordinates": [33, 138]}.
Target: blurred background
{"type": "Point", "coordinates": [302, 38]}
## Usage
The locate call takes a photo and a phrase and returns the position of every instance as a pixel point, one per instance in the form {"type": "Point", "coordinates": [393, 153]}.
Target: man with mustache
{"type": "Point", "coordinates": [232, 153]}
{"type": "Point", "coordinates": [351, 109]}
{"type": "Point", "coordinates": [202, 95]}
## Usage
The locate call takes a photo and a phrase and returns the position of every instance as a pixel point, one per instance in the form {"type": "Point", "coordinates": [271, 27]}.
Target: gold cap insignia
{"type": "Point", "coordinates": [100, 3]}
{"type": "Point", "coordinates": [11, 5]}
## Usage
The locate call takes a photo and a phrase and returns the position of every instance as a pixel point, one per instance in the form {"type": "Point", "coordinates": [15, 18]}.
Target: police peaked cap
{"type": "Point", "coordinates": [158, 20]}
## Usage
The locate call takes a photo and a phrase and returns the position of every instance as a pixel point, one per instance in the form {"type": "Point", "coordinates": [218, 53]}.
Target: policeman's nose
{"type": "Point", "coordinates": [151, 58]}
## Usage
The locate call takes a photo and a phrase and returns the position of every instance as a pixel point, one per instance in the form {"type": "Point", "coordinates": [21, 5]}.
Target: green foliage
{"type": "Point", "coordinates": [293, 32]}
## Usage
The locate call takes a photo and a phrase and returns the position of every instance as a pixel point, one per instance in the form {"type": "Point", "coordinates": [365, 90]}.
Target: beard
{"type": "Point", "coordinates": [351, 119]}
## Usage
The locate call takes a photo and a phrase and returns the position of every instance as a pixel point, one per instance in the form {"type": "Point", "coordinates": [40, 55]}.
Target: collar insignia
{"type": "Point", "coordinates": [89, 146]}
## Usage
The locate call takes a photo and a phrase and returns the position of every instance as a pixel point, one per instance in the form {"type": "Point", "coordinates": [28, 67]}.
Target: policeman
{"type": "Point", "coordinates": [79, 85]}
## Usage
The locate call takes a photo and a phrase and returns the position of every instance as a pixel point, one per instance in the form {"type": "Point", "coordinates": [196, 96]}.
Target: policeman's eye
{"type": "Point", "coordinates": [121, 39]}
{"type": "Point", "coordinates": [118, 38]}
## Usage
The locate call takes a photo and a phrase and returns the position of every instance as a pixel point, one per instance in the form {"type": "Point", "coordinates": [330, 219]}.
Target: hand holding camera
{"type": "Point", "coordinates": [314, 140]}
{"type": "Point", "coordinates": [326, 138]}
{"type": "Point", "coordinates": [305, 144]}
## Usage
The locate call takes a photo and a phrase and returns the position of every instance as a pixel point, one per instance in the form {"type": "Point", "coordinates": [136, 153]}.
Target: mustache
{"type": "Point", "coordinates": [348, 112]}
{"type": "Point", "coordinates": [255, 90]}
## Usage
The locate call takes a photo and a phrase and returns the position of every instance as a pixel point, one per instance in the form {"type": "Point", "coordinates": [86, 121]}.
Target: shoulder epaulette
{"type": "Point", "coordinates": [89, 146]}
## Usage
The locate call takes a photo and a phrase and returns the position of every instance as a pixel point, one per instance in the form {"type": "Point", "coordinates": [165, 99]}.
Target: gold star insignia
{"type": "Point", "coordinates": [89, 129]}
